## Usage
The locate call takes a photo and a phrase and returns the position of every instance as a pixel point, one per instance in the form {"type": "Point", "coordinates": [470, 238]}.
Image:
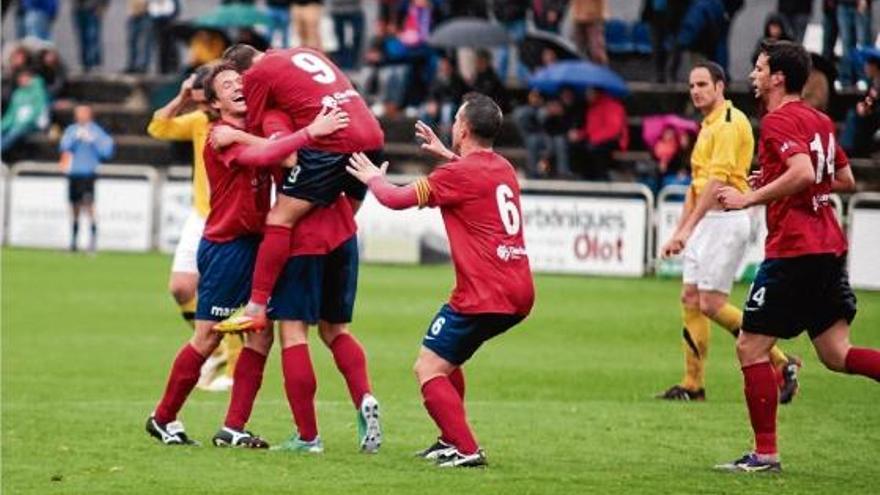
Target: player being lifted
{"type": "Point", "coordinates": [802, 283]}
{"type": "Point", "coordinates": [479, 199]}
{"type": "Point", "coordinates": [240, 182]}
{"type": "Point", "coordinates": [300, 82]}
{"type": "Point", "coordinates": [713, 241]}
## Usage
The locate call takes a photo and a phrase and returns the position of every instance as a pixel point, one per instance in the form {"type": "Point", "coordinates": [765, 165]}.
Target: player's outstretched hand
{"type": "Point", "coordinates": [187, 85]}
{"type": "Point", "coordinates": [731, 199]}
{"type": "Point", "coordinates": [222, 136]}
{"type": "Point", "coordinates": [430, 142]}
{"type": "Point", "coordinates": [328, 121]}
{"type": "Point", "coordinates": [363, 169]}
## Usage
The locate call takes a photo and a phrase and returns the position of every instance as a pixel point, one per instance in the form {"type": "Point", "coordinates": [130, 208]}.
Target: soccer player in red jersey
{"type": "Point", "coordinates": [802, 283]}
{"type": "Point", "coordinates": [479, 198]}
{"type": "Point", "coordinates": [301, 82]}
{"type": "Point", "coordinates": [317, 286]}
{"type": "Point", "coordinates": [240, 181]}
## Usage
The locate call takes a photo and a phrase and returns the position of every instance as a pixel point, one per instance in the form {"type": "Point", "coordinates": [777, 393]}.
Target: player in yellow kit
{"type": "Point", "coordinates": [168, 123]}
{"type": "Point", "coordinates": [713, 241]}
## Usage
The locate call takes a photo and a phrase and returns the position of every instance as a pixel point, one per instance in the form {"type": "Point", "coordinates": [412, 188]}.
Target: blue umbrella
{"type": "Point", "coordinates": [579, 75]}
{"type": "Point", "coordinates": [869, 53]}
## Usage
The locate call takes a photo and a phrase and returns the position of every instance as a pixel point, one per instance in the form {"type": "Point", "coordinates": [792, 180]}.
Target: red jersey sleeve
{"type": "Point", "coordinates": [447, 186]}
{"type": "Point", "coordinates": [276, 122]}
{"type": "Point", "coordinates": [228, 155]}
{"type": "Point", "coordinates": [780, 135]}
{"type": "Point", "coordinates": [256, 94]}
{"type": "Point", "coordinates": [840, 158]}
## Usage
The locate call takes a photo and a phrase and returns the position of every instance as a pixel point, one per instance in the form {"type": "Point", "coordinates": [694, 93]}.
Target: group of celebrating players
{"type": "Point", "coordinates": [290, 118]}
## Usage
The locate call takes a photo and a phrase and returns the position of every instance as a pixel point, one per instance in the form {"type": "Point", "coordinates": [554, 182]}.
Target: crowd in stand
{"type": "Point", "coordinates": [567, 134]}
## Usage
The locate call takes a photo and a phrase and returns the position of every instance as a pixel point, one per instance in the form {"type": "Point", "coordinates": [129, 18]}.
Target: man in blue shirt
{"type": "Point", "coordinates": [84, 145]}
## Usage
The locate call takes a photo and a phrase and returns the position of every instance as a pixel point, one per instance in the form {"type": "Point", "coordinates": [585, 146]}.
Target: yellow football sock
{"type": "Point", "coordinates": [234, 344]}
{"type": "Point", "coordinates": [731, 318]}
{"type": "Point", "coordinates": [696, 347]}
{"type": "Point", "coordinates": [188, 312]}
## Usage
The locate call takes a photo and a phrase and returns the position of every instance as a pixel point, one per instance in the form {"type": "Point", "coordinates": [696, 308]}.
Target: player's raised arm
{"type": "Point", "coordinates": [798, 176]}
{"type": "Point", "coordinates": [431, 143]}
{"type": "Point", "coordinates": [272, 153]}
{"type": "Point", "coordinates": [394, 197]}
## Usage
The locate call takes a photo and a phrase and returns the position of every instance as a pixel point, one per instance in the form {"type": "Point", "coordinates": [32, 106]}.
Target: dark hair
{"type": "Point", "coordinates": [791, 59]}
{"type": "Point", "coordinates": [241, 56]}
{"type": "Point", "coordinates": [483, 116]}
{"type": "Point", "coordinates": [202, 73]}
{"type": "Point", "coordinates": [715, 71]}
{"type": "Point", "coordinates": [208, 83]}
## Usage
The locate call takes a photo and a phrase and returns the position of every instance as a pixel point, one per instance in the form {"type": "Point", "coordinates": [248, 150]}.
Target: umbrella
{"type": "Point", "coordinates": [869, 53]}
{"type": "Point", "coordinates": [653, 126]}
{"type": "Point", "coordinates": [469, 32]}
{"type": "Point", "coordinates": [233, 15]}
{"type": "Point", "coordinates": [535, 42]}
{"type": "Point", "coordinates": [580, 75]}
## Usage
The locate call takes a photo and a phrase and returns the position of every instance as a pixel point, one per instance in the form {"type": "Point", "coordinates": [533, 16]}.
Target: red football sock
{"type": "Point", "coordinates": [457, 379]}
{"type": "Point", "coordinates": [762, 398]}
{"type": "Point", "coordinates": [246, 383]}
{"type": "Point", "coordinates": [447, 409]}
{"type": "Point", "coordinates": [184, 375]}
{"type": "Point", "coordinates": [300, 386]}
{"type": "Point", "coordinates": [863, 361]}
{"type": "Point", "coordinates": [352, 363]}
{"type": "Point", "coordinates": [271, 257]}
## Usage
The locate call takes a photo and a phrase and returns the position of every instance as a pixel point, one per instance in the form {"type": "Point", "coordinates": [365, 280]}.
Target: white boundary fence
{"type": "Point", "coordinates": [579, 228]}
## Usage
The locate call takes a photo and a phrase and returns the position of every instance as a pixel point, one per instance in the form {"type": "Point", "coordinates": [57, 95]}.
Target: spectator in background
{"type": "Point", "coordinates": [603, 132]}
{"type": "Point", "coordinates": [672, 152]}
{"type": "Point", "coordinates": [487, 82]}
{"type": "Point", "coordinates": [306, 21]}
{"type": "Point", "coordinates": [444, 97]}
{"type": "Point", "coordinates": [83, 147]}
{"type": "Point", "coordinates": [279, 13]}
{"type": "Point", "coordinates": [420, 58]}
{"type": "Point", "coordinates": [558, 117]}
{"type": "Point", "coordinates": [664, 17]}
{"type": "Point", "coordinates": [854, 24]}
{"type": "Point", "coordinates": [38, 17]}
{"type": "Point", "coordinates": [528, 122]}
{"type": "Point", "coordinates": [162, 14]}
{"type": "Point", "coordinates": [829, 29]}
{"type": "Point", "coordinates": [348, 14]}
{"type": "Point", "coordinates": [703, 32]}
{"type": "Point", "coordinates": [512, 15]}
{"type": "Point", "coordinates": [19, 59]}
{"type": "Point", "coordinates": [588, 23]}
{"type": "Point", "coordinates": [776, 28]}
{"type": "Point", "coordinates": [28, 110]}
{"type": "Point", "coordinates": [469, 8]}
{"type": "Point", "coordinates": [52, 71]}
{"type": "Point", "coordinates": [139, 37]}
{"type": "Point", "coordinates": [87, 14]}
{"type": "Point", "coordinates": [547, 14]}
{"type": "Point", "coordinates": [386, 57]}
{"type": "Point", "coordinates": [797, 14]}
{"type": "Point", "coordinates": [205, 45]}
{"type": "Point", "coordinates": [863, 121]}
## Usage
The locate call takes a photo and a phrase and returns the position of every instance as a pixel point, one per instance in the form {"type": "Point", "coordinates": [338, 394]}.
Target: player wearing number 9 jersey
{"type": "Point", "coordinates": [300, 82]}
{"type": "Point", "coordinates": [802, 283]}
{"type": "Point", "coordinates": [479, 199]}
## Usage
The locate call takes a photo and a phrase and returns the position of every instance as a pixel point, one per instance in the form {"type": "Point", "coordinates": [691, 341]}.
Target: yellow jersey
{"type": "Point", "coordinates": [192, 126]}
{"type": "Point", "coordinates": [723, 151]}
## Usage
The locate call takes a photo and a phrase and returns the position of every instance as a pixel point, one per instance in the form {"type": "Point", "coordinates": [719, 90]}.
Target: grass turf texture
{"type": "Point", "coordinates": [562, 404]}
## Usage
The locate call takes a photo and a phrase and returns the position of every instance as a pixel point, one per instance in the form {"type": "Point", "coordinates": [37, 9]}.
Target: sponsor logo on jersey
{"type": "Point", "coordinates": [510, 253]}
{"type": "Point", "coordinates": [339, 98]}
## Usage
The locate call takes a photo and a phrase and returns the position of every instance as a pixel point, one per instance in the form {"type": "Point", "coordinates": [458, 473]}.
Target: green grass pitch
{"type": "Point", "coordinates": [562, 404]}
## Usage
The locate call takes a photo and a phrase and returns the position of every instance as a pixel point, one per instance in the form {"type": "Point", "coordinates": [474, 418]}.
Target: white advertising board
{"type": "Point", "coordinates": [864, 255]}
{"type": "Point", "coordinates": [39, 214]}
{"type": "Point", "coordinates": [175, 200]}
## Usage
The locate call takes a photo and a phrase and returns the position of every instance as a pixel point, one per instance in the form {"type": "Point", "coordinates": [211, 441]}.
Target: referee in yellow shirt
{"type": "Point", "coordinates": [713, 241]}
{"type": "Point", "coordinates": [169, 124]}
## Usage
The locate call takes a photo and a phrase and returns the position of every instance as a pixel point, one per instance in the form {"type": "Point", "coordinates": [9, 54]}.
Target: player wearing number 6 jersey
{"type": "Point", "coordinates": [479, 199]}
{"type": "Point", "coordinates": [802, 283]}
{"type": "Point", "coordinates": [300, 82]}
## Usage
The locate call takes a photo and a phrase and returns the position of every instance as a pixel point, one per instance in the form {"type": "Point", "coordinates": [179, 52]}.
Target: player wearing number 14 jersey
{"type": "Point", "coordinates": [802, 283]}
{"type": "Point", "coordinates": [478, 196]}
{"type": "Point", "coordinates": [300, 82]}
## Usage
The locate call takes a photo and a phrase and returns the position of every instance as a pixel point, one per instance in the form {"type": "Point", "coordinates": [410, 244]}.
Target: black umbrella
{"type": "Point", "coordinates": [533, 45]}
{"type": "Point", "coordinates": [471, 32]}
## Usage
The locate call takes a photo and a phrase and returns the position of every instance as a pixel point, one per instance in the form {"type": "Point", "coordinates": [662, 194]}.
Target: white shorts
{"type": "Point", "coordinates": [185, 253]}
{"type": "Point", "coordinates": [715, 250]}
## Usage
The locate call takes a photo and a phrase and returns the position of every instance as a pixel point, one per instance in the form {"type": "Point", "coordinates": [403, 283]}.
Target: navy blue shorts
{"type": "Point", "coordinates": [321, 287]}
{"type": "Point", "coordinates": [319, 177]}
{"type": "Point", "coordinates": [225, 270]}
{"type": "Point", "coordinates": [456, 337]}
{"type": "Point", "coordinates": [81, 189]}
{"type": "Point", "coordinates": [790, 295]}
